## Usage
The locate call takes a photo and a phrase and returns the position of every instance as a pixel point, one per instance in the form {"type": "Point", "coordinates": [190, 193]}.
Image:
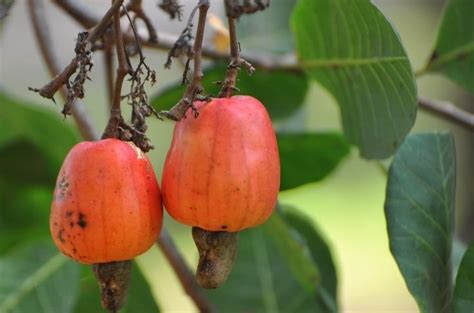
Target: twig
{"type": "Point", "coordinates": [79, 12]}
{"type": "Point", "coordinates": [259, 60]}
{"type": "Point", "coordinates": [109, 67]}
{"type": "Point", "coordinates": [84, 45]}
{"type": "Point", "coordinates": [112, 129]}
{"type": "Point", "coordinates": [183, 273]}
{"type": "Point", "coordinates": [269, 62]}
{"type": "Point", "coordinates": [194, 89]}
{"type": "Point", "coordinates": [136, 7]}
{"type": "Point", "coordinates": [45, 44]}
{"type": "Point", "coordinates": [235, 61]}
{"type": "Point", "coordinates": [448, 111]}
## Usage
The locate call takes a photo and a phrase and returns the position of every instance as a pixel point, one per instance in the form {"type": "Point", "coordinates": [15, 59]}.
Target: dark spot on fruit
{"type": "Point", "coordinates": [71, 224]}
{"type": "Point", "coordinates": [81, 221]}
{"type": "Point", "coordinates": [224, 226]}
{"type": "Point", "coordinates": [69, 214]}
{"type": "Point", "coordinates": [60, 236]}
{"type": "Point", "coordinates": [74, 251]}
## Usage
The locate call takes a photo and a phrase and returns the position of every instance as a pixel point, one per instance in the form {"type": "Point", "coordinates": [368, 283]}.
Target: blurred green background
{"type": "Point", "coordinates": [347, 206]}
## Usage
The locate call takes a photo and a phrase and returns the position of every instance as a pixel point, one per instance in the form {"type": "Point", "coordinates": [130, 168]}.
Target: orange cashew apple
{"type": "Point", "coordinates": [107, 204]}
{"type": "Point", "coordinates": [222, 174]}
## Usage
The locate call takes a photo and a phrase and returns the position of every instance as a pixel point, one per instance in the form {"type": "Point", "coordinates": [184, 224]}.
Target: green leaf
{"type": "Point", "coordinates": [309, 157]}
{"type": "Point", "coordinates": [53, 136]}
{"type": "Point", "coordinates": [419, 209]}
{"type": "Point", "coordinates": [33, 143]}
{"type": "Point", "coordinates": [464, 290]}
{"type": "Point", "coordinates": [38, 279]}
{"type": "Point", "coordinates": [293, 252]}
{"type": "Point", "coordinates": [274, 35]}
{"type": "Point", "coordinates": [139, 300]}
{"type": "Point", "coordinates": [273, 273]}
{"type": "Point", "coordinates": [453, 55]}
{"type": "Point", "coordinates": [281, 92]}
{"type": "Point", "coordinates": [351, 49]}
{"type": "Point", "coordinates": [320, 253]}
{"type": "Point", "coordinates": [24, 163]}
{"type": "Point", "coordinates": [26, 187]}
{"type": "Point", "coordinates": [24, 214]}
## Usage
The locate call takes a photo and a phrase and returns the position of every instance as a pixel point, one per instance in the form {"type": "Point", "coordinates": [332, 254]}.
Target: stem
{"type": "Point", "coordinates": [448, 111]}
{"type": "Point", "coordinates": [181, 269]}
{"type": "Point", "coordinates": [136, 7]}
{"type": "Point", "coordinates": [263, 61]}
{"type": "Point", "coordinates": [53, 86]}
{"type": "Point", "coordinates": [78, 11]}
{"type": "Point", "coordinates": [178, 111]}
{"type": "Point", "coordinates": [105, 21]}
{"type": "Point", "coordinates": [235, 61]}
{"type": "Point", "coordinates": [112, 128]}
{"type": "Point", "coordinates": [40, 27]}
{"type": "Point", "coordinates": [109, 68]}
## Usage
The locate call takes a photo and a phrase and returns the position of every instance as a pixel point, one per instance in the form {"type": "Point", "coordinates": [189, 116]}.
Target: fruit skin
{"type": "Point", "coordinates": [107, 204]}
{"type": "Point", "coordinates": [222, 172]}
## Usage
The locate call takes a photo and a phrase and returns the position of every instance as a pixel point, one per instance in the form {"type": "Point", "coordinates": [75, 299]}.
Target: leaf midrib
{"type": "Point", "coordinates": [41, 274]}
{"type": "Point", "coordinates": [444, 59]}
{"type": "Point", "coordinates": [349, 61]}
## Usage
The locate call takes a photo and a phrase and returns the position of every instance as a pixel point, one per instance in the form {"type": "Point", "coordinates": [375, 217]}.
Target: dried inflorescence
{"type": "Point", "coordinates": [138, 98]}
{"type": "Point", "coordinates": [235, 8]}
{"type": "Point", "coordinates": [172, 7]}
{"type": "Point", "coordinates": [141, 108]}
{"type": "Point", "coordinates": [84, 64]}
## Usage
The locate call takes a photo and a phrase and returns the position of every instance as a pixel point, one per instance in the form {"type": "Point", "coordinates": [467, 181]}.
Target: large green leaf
{"type": "Point", "coordinates": [273, 273]}
{"type": "Point", "coordinates": [24, 214]}
{"type": "Point", "coordinates": [139, 299]}
{"type": "Point", "coordinates": [453, 55]}
{"type": "Point", "coordinates": [38, 279]}
{"type": "Point", "coordinates": [33, 143]}
{"type": "Point", "coordinates": [26, 187]}
{"type": "Point", "coordinates": [309, 157]}
{"type": "Point", "coordinates": [464, 290]}
{"type": "Point", "coordinates": [320, 253]}
{"type": "Point", "coordinates": [419, 209]}
{"type": "Point", "coordinates": [42, 128]}
{"type": "Point", "coordinates": [281, 92]}
{"type": "Point", "coordinates": [351, 49]}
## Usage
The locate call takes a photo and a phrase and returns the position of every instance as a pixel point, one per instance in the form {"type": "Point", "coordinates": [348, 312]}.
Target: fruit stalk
{"type": "Point", "coordinates": [217, 251]}
{"type": "Point", "coordinates": [114, 280]}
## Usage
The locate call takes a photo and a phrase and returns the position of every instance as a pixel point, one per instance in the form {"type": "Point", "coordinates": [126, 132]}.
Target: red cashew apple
{"type": "Point", "coordinates": [222, 172]}
{"type": "Point", "coordinates": [107, 204]}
